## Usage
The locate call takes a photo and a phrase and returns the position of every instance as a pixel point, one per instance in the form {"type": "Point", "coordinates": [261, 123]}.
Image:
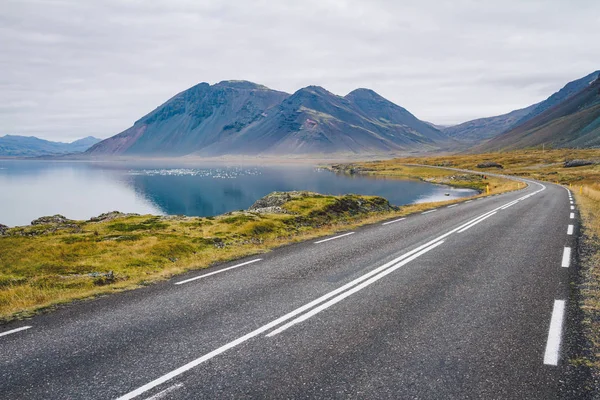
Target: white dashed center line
{"type": "Point", "coordinates": [335, 237]}
{"type": "Point", "coordinates": [566, 258]}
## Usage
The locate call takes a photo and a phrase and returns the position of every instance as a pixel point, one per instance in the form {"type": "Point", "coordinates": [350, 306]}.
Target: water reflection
{"type": "Point", "coordinates": [80, 190]}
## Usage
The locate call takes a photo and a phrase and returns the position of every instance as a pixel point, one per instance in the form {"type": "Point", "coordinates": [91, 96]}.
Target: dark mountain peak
{"type": "Point", "coordinates": [313, 90]}
{"type": "Point", "coordinates": [364, 93]}
{"type": "Point", "coordinates": [240, 85]}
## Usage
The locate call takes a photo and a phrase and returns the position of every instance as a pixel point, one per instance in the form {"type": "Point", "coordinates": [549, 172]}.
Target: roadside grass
{"type": "Point", "coordinates": [45, 265]}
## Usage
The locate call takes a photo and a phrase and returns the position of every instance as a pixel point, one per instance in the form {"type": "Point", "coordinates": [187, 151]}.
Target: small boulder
{"type": "Point", "coordinates": [52, 220]}
{"type": "Point", "coordinates": [109, 216]}
{"type": "Point", "coordinates": [577, 163]}
{"type": "Point", "coordinates": [276, 199]}
{"type": "Point", "coordinates": [3, 230]}
{"type": "Point", "coordinates": [271, 210]}
{"type": "Point", "coordinates": [490, 164]}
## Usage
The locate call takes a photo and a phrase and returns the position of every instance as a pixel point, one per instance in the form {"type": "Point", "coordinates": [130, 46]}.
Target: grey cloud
{"type": "Point", "coordinates": [73, 68]}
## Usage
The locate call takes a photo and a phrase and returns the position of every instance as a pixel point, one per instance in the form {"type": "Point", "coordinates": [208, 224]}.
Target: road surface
{"type": "Point", "coordinates": [466, 301]}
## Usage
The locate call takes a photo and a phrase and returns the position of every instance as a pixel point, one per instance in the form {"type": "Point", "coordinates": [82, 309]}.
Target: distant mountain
{"type": "Point", "coordinates": [573, 121]}
{"type": "Point", "coordinates": [481, 129]}
{"type": "Point", "coordinates": [30, 146]}
{"type": "Point", "coordinates": [478, 130]}
{"type": "Point", "coordinates": [234, 117]}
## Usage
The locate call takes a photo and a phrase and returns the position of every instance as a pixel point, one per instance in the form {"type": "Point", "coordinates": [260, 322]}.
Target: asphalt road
{"type": "Point", "coordinates": [469, 301]}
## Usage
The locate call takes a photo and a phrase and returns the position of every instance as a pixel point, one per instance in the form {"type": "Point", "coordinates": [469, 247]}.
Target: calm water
{"type": "Point", "coordinates": [80, 190]}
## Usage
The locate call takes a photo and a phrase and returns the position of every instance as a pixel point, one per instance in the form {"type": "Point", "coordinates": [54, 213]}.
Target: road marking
{"type": "Point", "coordinates": [468, 201]}
{"type": "Point", "coordinates": [452, 205]}
{"type": "Point", "coordinates": [335, 237]}
{"type": "Point", "coordinates": [572, 215]}
{"type": "Point", "coordinates": [570, 230]}
{"type": "Point", "coordinates": [554, 333]}
{"type": "Point", "coordinates": [566, 259]}
{"type": "Point", "coordinates": [15, 330]}
{"type": "Point", "coordinates": [476, 222]}
{"type": "Point", "coordinates": [342, 296]}
{"type": "Point", "coordinates": [273, 323]}
{"type": "Point", "coordinates": [572, 207]}
{"type": "Point", "coordinates": [163, 393]}
{"type": "Point", "coordinates": [512, 203]}
{"type": "Point", "coordinates": [217, 272]}
{"type": "Point", "coordinates": [391, 222]}
{"type": "Point", "coordinates": [430, 211]}
{"type": "Point", "coordinates": [288, 316]}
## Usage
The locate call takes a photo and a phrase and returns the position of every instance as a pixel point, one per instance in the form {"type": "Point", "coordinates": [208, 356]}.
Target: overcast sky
{"type": "Point", "coordinates": [73, 68]}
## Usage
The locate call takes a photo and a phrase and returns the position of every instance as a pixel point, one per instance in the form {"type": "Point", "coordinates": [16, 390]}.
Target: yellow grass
{"type": "Point", "coordinates": [37, 272]}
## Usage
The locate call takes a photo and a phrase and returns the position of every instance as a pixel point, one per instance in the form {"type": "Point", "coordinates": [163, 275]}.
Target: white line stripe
{"type": "Point", "coordinates": [468, 201]}
{"type": "Point", "coordinates": [572, 207]}
{"type": "Point", "coordinates": [335, 237]}
{"type": "Point", "coordinates": [476, 222]}
{"type": "Point", "coordinates": [391, 222]}
{"type": "Point", "coordinates": [572, 215]}
{"type": "Point", "coordinates": [272, 324]}
{"type": "Point", "coordinates": [452, 205]}
{"type": "Point", "coordinates": [566, 259]}
{"type": "Point", "coordinates": [554, 333]}
{"type": "Point", "coordinates": [350, 292]}
{"type": "Point", "coordinates": [512, 203]}
{"type": "Point", "coordinates": [163, 393]}
{"type": "Point", "coordinates": [570, 230]}
{"type": "Point", "coordinates": [430, 211]}
{"type": "Point", "coordinates": [218, 272]}
{"type": "Point", "coordinates": [15, 330]}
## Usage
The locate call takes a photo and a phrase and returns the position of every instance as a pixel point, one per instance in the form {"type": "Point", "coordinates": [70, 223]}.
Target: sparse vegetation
{"type": "Point", "coordinates": [62, 260]}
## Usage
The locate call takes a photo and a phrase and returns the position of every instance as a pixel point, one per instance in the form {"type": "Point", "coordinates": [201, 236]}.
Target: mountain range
{"type": "Point", "coordinates": [573, 121]}
{"type": "Point", "coordinates": [480, 130]}
{"type": "Point", "coordinates": [244, 118]}
{"type": "Point", "coordinates": [239, 117]}
{"type": "Point", "coordinates": [30, 146]}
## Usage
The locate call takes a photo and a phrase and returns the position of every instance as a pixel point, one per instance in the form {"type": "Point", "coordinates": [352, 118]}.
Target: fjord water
{"type": "Point", "coordinates": [80, 190]}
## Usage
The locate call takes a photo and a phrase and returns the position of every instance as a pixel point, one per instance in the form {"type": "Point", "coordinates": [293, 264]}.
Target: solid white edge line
{"type": "Point", "coordinates": [476, 222]}
{"type": "Point", "coordinates": [566, 258]}
{"type": "Point", "coordinates": [391, 222]}
{"type": "Point", "coordinates": [570, 230]}
{"type": "Point", "coordinates": [430, 211]}
{"type": "Point", "coordinates": [355, 289]}
{"type": "Point", "coordinates": [217, 272]}
{"type": "Point", "coordinates": [554, 333]}
{"type": "Point", "coordinates": [15, 330]}
{"type": "Point", "coordinates": [572, 215]}
{"type": "Point", "coordinates": [335, 237]}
